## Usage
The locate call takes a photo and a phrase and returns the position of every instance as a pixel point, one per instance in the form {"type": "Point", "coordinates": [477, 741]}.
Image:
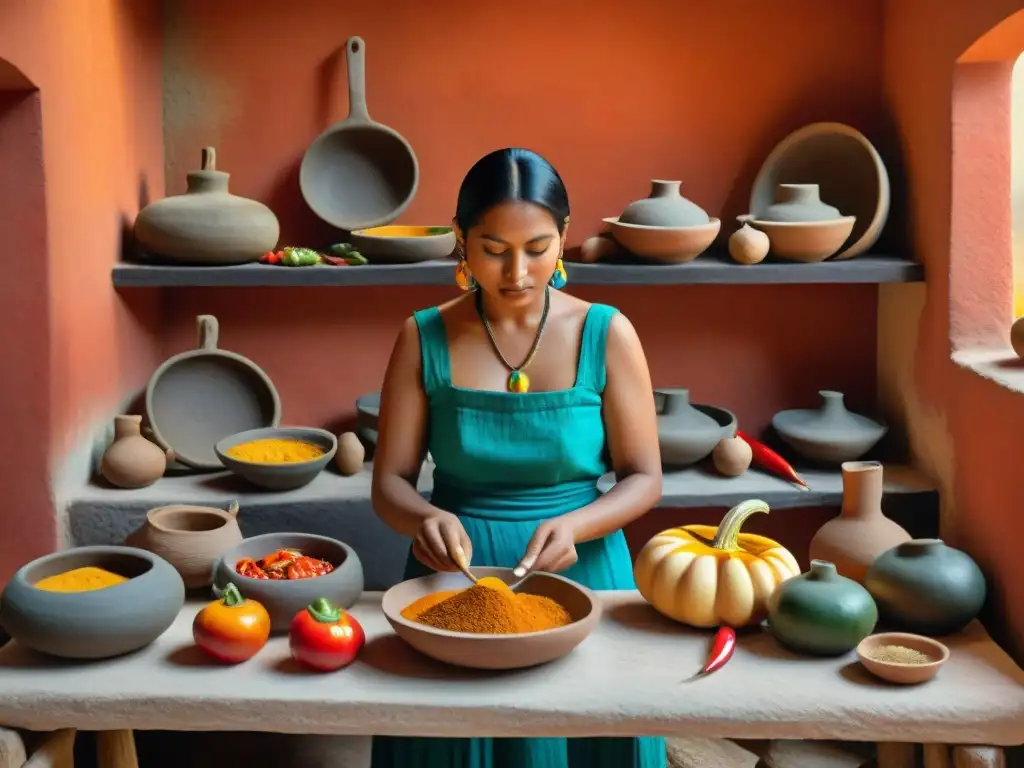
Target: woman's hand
{"type": "Point", "coordinates": [439, 540]}
{"type": "Point", "coordinates": [552, 548]}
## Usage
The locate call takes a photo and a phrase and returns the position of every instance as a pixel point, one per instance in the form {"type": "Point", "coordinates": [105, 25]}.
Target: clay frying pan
{"type": "Point", "coordinates": [358, 173]}
{"type": "Point", "coordinates": [197, 398]}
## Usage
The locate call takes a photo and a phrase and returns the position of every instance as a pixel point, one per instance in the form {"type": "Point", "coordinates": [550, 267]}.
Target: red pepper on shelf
{"type": "Point", "coordinates": [722, 648]}
{"type": "Point", "coordinates": [766, 458]}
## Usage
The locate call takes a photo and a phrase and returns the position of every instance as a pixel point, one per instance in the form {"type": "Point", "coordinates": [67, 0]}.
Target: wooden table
{"type": "Point", "coordinates": [626, 679]}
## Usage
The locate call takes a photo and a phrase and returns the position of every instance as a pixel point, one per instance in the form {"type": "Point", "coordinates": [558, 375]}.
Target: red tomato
{"type": "Point", "coordinates": [231, 629]}
{"type": "Point", "coordinates": [324, 637]}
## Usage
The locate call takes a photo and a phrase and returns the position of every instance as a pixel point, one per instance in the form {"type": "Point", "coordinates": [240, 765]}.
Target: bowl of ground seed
{"type": "Point", "coordinates": [902, 658]}
{"type": "Point", "coordinates": [489, 625]}
{"type": "Point", "coordinates": [278, 458]}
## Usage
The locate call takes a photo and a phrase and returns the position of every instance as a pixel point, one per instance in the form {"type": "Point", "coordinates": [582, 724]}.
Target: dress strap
{"type": "Point", "coordinates": [592, 372]}
{"type": "Point", "coordinates": [433, 349]}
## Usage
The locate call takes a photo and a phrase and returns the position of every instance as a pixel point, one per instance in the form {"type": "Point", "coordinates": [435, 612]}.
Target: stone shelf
{"type": "Point", "coordinates": [627, 678]}
{"type": "Point", "coordinates": [338, 506]}
{"type": "Point", "coordinates": [706, 269]}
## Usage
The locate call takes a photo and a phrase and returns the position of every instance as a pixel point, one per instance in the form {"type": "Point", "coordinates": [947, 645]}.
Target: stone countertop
{"type": "Point", "coordinates": [626, 679]}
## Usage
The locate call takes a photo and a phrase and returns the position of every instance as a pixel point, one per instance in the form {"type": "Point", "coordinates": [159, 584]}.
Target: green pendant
{"type": "Point", "coordinates": [518, 382]}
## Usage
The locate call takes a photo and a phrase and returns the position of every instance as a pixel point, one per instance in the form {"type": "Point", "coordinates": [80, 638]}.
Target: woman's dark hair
{"type": "Point", "coordinates": [511, 174]}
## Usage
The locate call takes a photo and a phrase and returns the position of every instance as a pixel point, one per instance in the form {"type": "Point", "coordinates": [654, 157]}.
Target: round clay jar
{"type": "Point", "coordinates": [797, 203]}
{"type": "Point", "coordinates": [748, 245]}
{"type": "Point", "coordinates": [665, 207]}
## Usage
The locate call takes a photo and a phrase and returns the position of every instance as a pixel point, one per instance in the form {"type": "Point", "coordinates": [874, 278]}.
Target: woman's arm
{"type": "Point", "coordinates": [631, 425]}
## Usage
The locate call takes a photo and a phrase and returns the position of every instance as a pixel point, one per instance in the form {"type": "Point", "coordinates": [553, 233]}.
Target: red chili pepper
{"type": "Point", "coordinates": [766, 458]}
{"type": "Point", "coordinates": [721, 650]}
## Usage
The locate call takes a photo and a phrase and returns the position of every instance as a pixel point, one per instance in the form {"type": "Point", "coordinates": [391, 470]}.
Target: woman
{"type": "Point", "coordinates": [524, 396]}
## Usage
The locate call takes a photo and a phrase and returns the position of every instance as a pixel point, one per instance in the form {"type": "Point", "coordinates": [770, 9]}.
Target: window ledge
{"type": "Point", "coordinates": [999, 365]}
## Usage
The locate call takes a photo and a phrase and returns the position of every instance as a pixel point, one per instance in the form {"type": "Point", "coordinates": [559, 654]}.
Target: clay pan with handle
{"type": "Point", "coordinates": [197, 398]}
{"type": "Point", "coordinates": [358, 173]}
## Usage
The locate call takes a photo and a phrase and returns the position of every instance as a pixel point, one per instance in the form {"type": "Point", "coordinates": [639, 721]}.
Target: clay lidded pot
{"type": "Point", "coordinates": [207, 225]}
{"type": "Point", "coordinates": [799, 203]}
{"type": "Point", "coordinates": [132, 461]}
{"type": "Point", "coordinates": [665, 207]}
{"type": "Point", "coordinates": [190, 538]}
{"type": "Point", "coordinates": [861, 533]}
{"type": "Point", "coordinates": [831, 434]}
{"type": "Point", "coordinates": [688, 433]}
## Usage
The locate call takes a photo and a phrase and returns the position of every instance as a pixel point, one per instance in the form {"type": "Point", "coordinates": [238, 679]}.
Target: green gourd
{"type": "Point", "coordinates": [925, 587]}
{"type": "Point", "coordinates": [821, 612]}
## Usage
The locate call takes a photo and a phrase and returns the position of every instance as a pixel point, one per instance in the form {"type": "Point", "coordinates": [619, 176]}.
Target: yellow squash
{"type": "Point", "coordinates": [707, 577]}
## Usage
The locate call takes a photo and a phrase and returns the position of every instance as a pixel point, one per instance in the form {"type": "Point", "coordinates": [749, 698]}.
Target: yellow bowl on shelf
{"type": "Point", "coordinates": [404, 244]}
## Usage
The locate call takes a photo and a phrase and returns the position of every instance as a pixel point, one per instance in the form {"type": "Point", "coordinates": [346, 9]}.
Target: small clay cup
{"type": "Point", "coordinates": [189, 538]}
{"type": "Point", "coordinates": [904, 674]}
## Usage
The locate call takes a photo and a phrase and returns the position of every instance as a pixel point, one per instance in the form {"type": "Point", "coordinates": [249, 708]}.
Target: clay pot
{"type": "Point", "coordinates": [821, 612]}
{"type": "Point", "coordinates": [925, 587]}
{"type": "Point", "coordinates": [799, 203]}
{"type": "Point", "coordinates": [748, 245]}
{"type": "Point", "coordinates": [207, 225]}
{"type": "Point", "coordinates": [132, 461]}
{"type": "Point", "coordinates": [351, 454]}
{"type": "Point", "coordinates": [665, 207]}
{"type": "Point", "coordinates": [189, 538]}
{"type": "Point", "coordinates": [861, 532]}
{"type": "Point", "coordinates": [688, 433]}
{"type": "Point", "coordinates": [831, 434]}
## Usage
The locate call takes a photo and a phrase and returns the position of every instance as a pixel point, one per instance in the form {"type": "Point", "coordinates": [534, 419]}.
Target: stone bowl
{"type": "Point", "coordinates": [672, 245]}
{"type": "Point", "coordinates": [284, 599]}
{"type": "Point", "coordinates": [478, 651]}
{"type": "Point", "coordinates": [896, 672]}
{"type": "Point", "coordinates": [396, 243]}
{"type": "Point", "coordinates": [279, 477]}
{"type": "Point", "coordinates": [805, 241]}
{"type": "Point", "coordinates": [97, 624]}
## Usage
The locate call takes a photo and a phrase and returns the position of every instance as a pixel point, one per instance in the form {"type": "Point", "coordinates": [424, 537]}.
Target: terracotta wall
{"type": "Point", "coordinates": [614, 93]}
{"type": "Point", "coordinates": [71, 348]}
{"type": "Point", "coordinates": [963, 428]}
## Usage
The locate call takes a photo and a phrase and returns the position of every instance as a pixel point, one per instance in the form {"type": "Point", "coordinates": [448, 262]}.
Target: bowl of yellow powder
{"type": "Point", "coordinates": [278, 458]}
{"type": "Point", "coordinates": [92, 602]}
{"type": "Point", "coordinates": [488, 625]}
{"type": "Point", "coordinates": [901, 657]}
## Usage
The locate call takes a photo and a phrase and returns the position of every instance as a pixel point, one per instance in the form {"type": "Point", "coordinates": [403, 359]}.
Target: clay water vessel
{"type": "Point", "coordinates": [830, 434]}
{"type": "Point", "coordinates": [688, 433]}
{"type": "Point", "coordinates": [207, 225]}
{"type": "Point", "coordinates": [190, 538]}
{"type": "Point", "coordinates": [799, 203]}
{"type": "Point", "coordinates": [664, 207]}
{"type": "Point", "coordinates": [132, 461]}
{"type": "Point", "coordinates": [861, 533]}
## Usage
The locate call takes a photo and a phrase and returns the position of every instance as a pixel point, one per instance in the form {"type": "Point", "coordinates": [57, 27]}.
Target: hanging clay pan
{"type": "Point", "coordinates": [847, 169]}
{"type": "Point", "coordinates": [197, 398]}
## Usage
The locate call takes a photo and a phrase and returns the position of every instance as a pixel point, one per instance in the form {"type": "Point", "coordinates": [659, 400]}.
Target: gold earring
{"type": "Point", "coordinates": [463, 277]}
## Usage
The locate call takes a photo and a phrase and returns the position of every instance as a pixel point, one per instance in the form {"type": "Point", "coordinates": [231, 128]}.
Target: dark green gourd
{"type": "Point", "coordinates": [925, 587]}
{"type": "Point", "coordinates": [821, 612]}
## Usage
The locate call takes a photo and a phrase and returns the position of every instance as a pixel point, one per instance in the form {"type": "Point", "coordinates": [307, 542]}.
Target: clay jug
{"type": "Point", "coordinates": [664, 208]}
{"type": "Point", "coordinates": [132, 461]}
{"type": "Point", "coordinates": [861, 532]}
{"type": "Point", "coordinates": [189, 538]}
{"type": "Point", "coordinates": [207, 225]}
{"type": "Point", "coordinates": [799, 203]}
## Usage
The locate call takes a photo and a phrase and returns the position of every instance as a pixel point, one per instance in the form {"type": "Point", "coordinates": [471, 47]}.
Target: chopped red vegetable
{"type": "Point", "coordinates": [767, 459]}
{"type": "Point", "coordinates": [722, 648]}
{"type": "Point", "coordinates": [283, 565]}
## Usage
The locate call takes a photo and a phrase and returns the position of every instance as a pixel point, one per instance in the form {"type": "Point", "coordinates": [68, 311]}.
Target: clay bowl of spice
{"type": "Point", "coordinates": [278, 458]}
{"type": "Point", "coordinates": [488, 625]}
{"type": "Point", "coordinates": [285, 572]}
{"type": "Point", "coordinates": [902, 658]}
{"type": "Point", "coordinates": [92, 602]}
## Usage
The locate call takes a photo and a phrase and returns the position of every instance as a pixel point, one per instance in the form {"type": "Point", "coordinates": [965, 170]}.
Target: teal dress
{"type": "Point", "coordinates": [503, 463]}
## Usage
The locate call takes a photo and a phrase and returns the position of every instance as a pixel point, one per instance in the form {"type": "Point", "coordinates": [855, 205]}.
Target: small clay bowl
{"type": "Point", "coordinates": [672, 245]}
{"type": "Point", "coordinates": [96, 624]}
{"type": "Point", "coordinates": [895, 672]}
{"type": "Point", "coordinates": [283, 599]}
{"type": "Point", "coordinates": [279, 477]}
{"type": "Point", "coordinates": [805, 241]}
{"type": "Point", "coordinates": [478, 651]}
{"type": "Point", "coordinates": [403, 244]}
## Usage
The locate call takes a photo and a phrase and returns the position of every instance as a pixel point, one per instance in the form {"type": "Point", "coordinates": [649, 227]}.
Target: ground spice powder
{"type": "Point", "coordinates": [900, 654]}
{"type": "Point", "coordinates": [483, 609]}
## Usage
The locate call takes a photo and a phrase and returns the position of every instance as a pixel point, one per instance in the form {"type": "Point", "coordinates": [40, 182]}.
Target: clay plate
{"type": "Point", "coordinates": [466, 649]}
{"type": "Point", "coordinates": [905, 674]}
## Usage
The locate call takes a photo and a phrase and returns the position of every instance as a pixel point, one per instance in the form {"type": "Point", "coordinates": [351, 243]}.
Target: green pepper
{"type": "Point", "coordinates": [438, 230]}
{"type": "Point", "coordinates": [341, 249]}
{"type": "Point", "coordinates": [354, 258]}
{"type": "Point", "coordinates": [300, 257]}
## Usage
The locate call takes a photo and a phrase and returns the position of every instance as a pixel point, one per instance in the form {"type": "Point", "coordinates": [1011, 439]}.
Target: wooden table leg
{"type": "Point", "coordinates": [896, 754]}
{"type": "Point", "coordinates": [58, 751]}
{"type": "Point", "coordinates": [974, 756]}
{"type": "Point", "coordinates": [936, 756]}
{"type": "Point", "coordinates": [116, 749]}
